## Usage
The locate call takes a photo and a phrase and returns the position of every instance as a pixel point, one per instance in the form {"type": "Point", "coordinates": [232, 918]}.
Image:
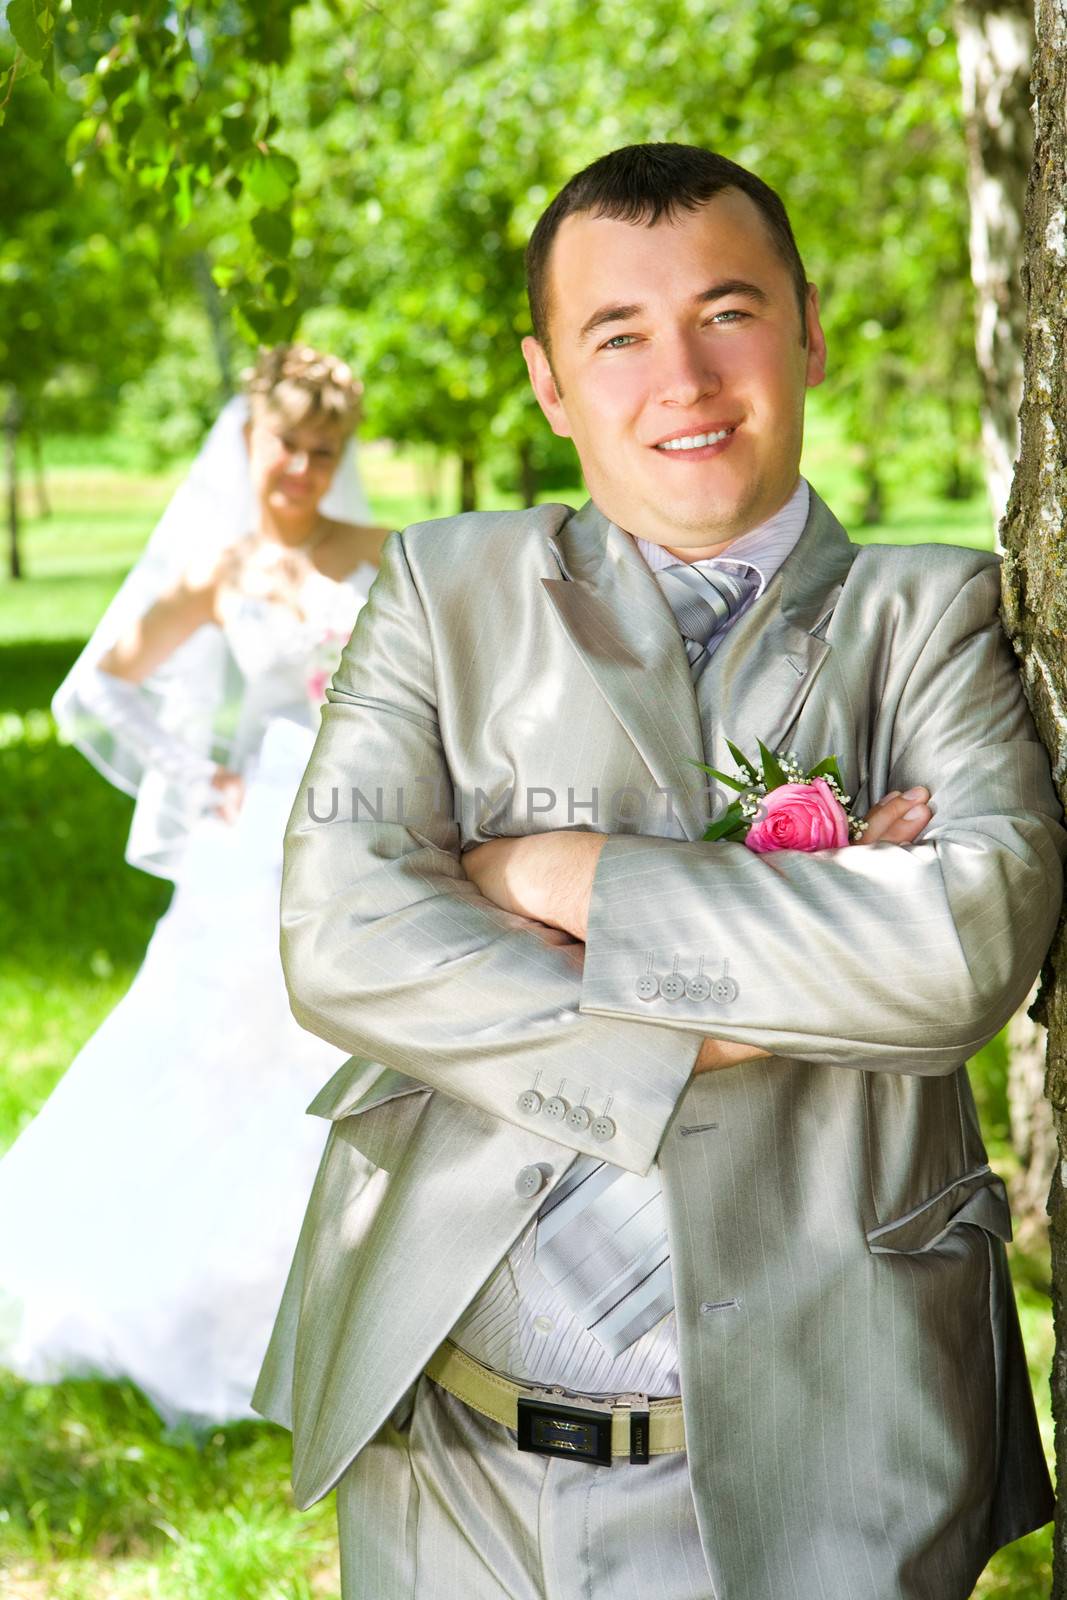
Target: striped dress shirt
{"type": "Point", "coordinates": [518, 1324]}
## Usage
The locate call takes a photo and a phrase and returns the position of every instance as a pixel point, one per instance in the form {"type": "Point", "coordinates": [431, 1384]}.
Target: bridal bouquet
{"type": "Point", "coordinates": [779, 806]}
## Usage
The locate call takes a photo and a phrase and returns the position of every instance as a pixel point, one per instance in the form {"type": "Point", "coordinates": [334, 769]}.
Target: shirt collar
{"type": "Point", "coordinates": [762, 548]}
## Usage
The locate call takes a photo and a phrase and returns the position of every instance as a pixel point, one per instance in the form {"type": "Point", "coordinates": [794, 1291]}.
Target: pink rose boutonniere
{"type": "Point", "coordinates": [779, 806]}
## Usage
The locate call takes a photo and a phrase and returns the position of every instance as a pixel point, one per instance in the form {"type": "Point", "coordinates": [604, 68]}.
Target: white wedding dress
{"type": "Point", "coordinates": [149, 1213]}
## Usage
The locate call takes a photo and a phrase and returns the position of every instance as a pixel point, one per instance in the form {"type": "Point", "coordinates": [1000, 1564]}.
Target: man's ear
{"type": "Point", "coordinates": [816, 370]}
{"type": "Point", "coordinates": [543, 383]}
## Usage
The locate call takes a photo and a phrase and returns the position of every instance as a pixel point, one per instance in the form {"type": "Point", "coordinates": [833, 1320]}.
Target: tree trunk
{"type": "Point", "coordinates": [995, 46]}
{"type": "Point", "coordinates": [12, 424]}
{"type": "Point", "coordinates": [527, 473]}
{"type": "Point", "coordinates": [1033, 1135]}
{"type": "Point", "coordinates": [40, 482]}
{"type": "Point", "coordinates": [1035, 595]}
{"type": "Point", "coordinates": [873, 508]}
{"type": "Point", "coordinates": [468, 487]}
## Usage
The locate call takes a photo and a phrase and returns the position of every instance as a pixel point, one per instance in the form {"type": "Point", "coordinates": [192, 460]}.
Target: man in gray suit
{"type": "Point", "coordinates": [654, 1242]}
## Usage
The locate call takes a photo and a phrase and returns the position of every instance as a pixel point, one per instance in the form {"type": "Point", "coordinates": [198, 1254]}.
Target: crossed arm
{"type": "Point", "coordinates": [873, 959]}
{"type": "Point", "coordinates": [548, 877]}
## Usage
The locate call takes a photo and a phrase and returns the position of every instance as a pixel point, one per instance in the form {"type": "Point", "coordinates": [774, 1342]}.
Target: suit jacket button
{"type": "Point", "coordinates": [578, 1117]}
{"type": "Point", "coordinates": [529, 1101]}
{"type": "Point", "coordinates": [647, 987]}
{"type": "Point", "coordinates": [603, 1129]}
{"type": "Point", "coordinates": [724, 990]}
{"type": "Point", "coordinates": [672, 987]}
{"type": "Point", "coordinates": [531, 1180]}
{"type": "Point", "coordinates": [555, 1108]}
{"type": "Point", "coordinates": [698, 989]}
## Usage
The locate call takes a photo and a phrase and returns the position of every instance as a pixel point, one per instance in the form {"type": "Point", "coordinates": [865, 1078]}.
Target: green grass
{"type": "Point", "coordinates": [97, 1500]}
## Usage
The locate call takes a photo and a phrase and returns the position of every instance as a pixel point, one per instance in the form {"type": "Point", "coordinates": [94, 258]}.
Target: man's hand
{"type": "Point", "coordinates": [547, 877]}
{"type": "Point", "coordinates": [898, 818]}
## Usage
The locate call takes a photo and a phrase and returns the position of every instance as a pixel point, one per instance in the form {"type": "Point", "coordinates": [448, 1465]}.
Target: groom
{"type": "Point", "coordinates": [654, 1244]}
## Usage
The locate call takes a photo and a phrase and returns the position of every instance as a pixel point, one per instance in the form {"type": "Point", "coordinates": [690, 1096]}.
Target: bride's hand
{"type": "Point", "coordinates": [231, 791]}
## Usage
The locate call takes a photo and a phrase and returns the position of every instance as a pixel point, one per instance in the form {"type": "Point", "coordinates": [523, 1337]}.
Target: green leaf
{"type": "Point", "coordinates": [274, 231]}
{"type": "Point", "coordinates": [25, 28]}
{"type": "Point", "coordinates": [740, 757]}
{"type": "Point", "coordinates": [87, 10]}
{"type": "Point", "coordinates": [183, 198]}
{"type": "Point", "coordinates": [237, 131]}
{"type": "Point", "coordinates": [281, 285]}
{"type": "Point", "coordinates": [734, 783]}
{"type": "Point", "coordinates": [731, 824]}
{"type": "Point", "coordinates": [773, 776]}
{"type": "Point", "coordinates": [117, 79]}
{"type": "Point", "coordinates": [82, 134]}
{"type": "Point", "coordinates": [828, 769]}
{"type": "Point", "coordinates": [269, 178]}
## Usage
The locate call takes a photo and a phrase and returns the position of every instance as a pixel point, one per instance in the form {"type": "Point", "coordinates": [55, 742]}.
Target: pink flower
{"type": "Point", "coordinates": [799, 816]}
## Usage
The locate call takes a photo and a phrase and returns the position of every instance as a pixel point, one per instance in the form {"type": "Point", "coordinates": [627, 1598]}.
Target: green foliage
{"type": "Point", "coordinates": [76, 291]}
{"type": "Point", "coordinates": [370, 175]}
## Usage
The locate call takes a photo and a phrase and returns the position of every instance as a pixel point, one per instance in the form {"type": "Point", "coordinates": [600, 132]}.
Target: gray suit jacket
{"type": "Point", "coordinates": [858, 1414]}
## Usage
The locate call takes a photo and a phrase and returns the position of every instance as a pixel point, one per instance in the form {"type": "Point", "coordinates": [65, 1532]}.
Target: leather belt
{"type": "Point", "coordinates": [556, 1422]}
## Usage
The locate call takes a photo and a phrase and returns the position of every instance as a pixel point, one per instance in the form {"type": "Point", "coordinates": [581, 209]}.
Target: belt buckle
{"type": "Point", "coordinates": [580, 1433]}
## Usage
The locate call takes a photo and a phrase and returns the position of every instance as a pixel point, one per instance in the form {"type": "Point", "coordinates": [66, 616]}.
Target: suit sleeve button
{"type": "Point", "coordinates": [578, 1117]}
{"type": "Point", "coordinates": [698, 989]}
{"type": "Point", "coordinates": [672, 987]}
{"type": "Point", "coordinates": [529, 1101]}
{"type": "Point", "coordinates": [603, 1129]}
{"type": "Point", "coordinates": [724, 990]}
{"type": "Point", "coordinates": [647, 987]}
{"type": "Point", "coordinates": [556, 1108]}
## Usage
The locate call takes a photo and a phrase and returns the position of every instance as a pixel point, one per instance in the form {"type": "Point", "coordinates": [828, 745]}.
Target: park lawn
{"type": "Point", "coordinates": [96, 1499]}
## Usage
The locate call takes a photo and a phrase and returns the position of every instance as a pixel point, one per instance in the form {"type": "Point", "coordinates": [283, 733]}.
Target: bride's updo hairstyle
{"type": "Point", "coordinates": [298, 385]}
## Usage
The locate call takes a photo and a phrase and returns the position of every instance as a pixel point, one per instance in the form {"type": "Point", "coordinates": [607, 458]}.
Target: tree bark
{"type": "Point", "coordinates": [995, 40]}
{"type": "Point", "coordinates": [468, 486]}
{"type": "Point", "coordinates": [1035, 595]}
{"type": "Point", "coordinates": [12, 425]}
{"type": "Point", "coordinates": [1033, 1134]}
{"type": "Point", "coordinates": [527, 473]}
{"type": "Point", "coordinates": [40, 482]}
{"type": "Point", "coordinates": [873, 509]}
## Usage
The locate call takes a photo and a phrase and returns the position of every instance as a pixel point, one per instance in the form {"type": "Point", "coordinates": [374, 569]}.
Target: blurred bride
{"type": "Point", "coordinates": [148, 1214]}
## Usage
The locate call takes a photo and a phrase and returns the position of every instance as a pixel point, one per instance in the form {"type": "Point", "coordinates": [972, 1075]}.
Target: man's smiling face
{"type": "Point", "coordinates": [678, 369]}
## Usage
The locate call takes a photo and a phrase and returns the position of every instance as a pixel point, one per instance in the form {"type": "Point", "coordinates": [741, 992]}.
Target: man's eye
{"type": "Point", "coordinates": [618, 341]}
{"type": "Point", "coordinates": [729, 316]}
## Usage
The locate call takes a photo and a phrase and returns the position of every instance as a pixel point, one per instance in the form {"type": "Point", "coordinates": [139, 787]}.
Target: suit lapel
{"type": "Point", "coordinates": [757, 681]}
{"type": "Point", "coordinates": [625, 635]}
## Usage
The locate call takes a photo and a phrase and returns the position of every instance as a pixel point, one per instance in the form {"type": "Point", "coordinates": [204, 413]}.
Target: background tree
{"type": "Point", "coordinates": [77, 290]}
{"type": "Point", "coordinates": [995, 48]}
{"type": "Point", "coordinates": [1035, 591]}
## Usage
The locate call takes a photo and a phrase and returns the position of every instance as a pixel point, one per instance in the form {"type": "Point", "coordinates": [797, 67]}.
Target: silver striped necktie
{"type": "Point", "coordinates": [704, 599]}
{"type": "Point", "coordinates": [602, 1233]}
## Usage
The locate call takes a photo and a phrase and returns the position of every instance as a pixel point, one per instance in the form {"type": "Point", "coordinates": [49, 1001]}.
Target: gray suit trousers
{"type": "Point", "coordinates": [441, 1505]}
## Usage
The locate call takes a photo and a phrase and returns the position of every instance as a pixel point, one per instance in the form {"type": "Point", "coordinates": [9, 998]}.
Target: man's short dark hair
{"type": "Point", "coordinates": [642, 183]}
